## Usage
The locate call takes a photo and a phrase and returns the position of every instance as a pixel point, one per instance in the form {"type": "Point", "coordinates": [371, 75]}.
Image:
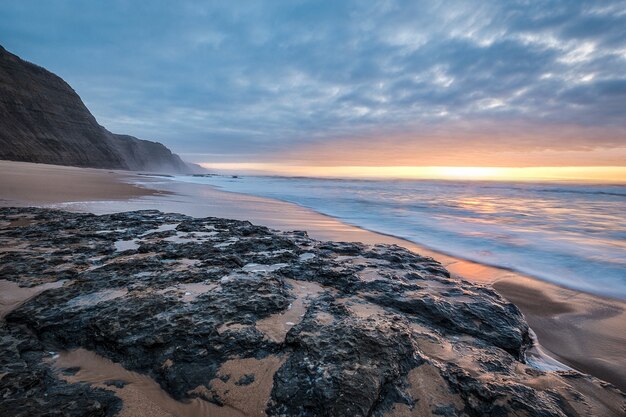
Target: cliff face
{"type": "Point", "coordinates": [148, 156]}
{"type": "Point", "coordinates": [42, 119]}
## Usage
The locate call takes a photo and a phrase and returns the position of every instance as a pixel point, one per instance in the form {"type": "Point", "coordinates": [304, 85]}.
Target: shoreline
{"type": "Point", "coordinates": [440, 253]}
{"type": "Point", "coordinates": [565, 320]}
{"type": "Point", "coordinates": [579, 329]}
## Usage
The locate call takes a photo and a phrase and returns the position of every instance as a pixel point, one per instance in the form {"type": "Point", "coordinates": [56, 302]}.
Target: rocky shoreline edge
{"type": "Point", "coordinates": [147, 313]}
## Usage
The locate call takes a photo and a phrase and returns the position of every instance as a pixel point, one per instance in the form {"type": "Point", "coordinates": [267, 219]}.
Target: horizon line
{"type": "Point", "coordinates": [612, 174]}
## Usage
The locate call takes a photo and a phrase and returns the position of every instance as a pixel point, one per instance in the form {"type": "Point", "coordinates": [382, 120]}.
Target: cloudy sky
{"type": "Point", "coordinates": [458, 83]}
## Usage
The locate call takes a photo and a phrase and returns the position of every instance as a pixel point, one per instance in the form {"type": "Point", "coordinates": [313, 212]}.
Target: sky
{"type": "Point", "coordinates": [348, 84]}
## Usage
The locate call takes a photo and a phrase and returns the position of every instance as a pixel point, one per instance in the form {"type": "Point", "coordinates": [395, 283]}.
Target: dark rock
{"type": "Point", "coordinates": [29, 387]}
{"type": "Point", "coordinates": [117, 383]}
{"type": "Point", "coordinates": [231, 313]}
{"type": "Point", "coordinates": [70, 371]}
{"type": "Point", "coordinates": [247, 379]}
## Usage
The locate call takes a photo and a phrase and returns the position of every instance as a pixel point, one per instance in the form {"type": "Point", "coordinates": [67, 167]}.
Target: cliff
{"type": "Point", "coordinates": [43, 120]}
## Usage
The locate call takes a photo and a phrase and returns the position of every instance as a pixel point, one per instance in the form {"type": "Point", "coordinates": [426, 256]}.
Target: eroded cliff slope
{"type": "Point", "coordinates": [43, 120]}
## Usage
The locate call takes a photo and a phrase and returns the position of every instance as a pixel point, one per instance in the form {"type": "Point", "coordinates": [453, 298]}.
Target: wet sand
{"type": "Point", "coordinates": [141, 395]}
{"type": "Point", "coordinates": [277, 326]}
{"type": "Point", "coordinates": [584, 331]}
{"type": "Point", "coordinates": [23, 183]}
{"type": "Point", "coordinates": [12, 295]}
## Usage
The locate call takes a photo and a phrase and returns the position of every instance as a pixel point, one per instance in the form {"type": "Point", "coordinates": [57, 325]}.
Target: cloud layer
{"type": "Point", "coordinates": [254, 80]}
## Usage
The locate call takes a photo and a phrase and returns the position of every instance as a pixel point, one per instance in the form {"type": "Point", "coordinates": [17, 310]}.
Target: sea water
{"type": "Point", "coordinates": [569, 234]}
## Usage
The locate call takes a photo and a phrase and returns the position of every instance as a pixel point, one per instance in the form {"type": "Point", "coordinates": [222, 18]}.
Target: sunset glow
{"type": "Point", "coordinates": [604, 174]}
{"type": "Point", "coordinates": [345, 208]}
{"type": "Point", "coordinates": [300, 85]}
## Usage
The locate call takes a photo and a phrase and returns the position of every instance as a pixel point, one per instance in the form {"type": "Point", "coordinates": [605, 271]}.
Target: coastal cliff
{"type": "Point", "coordinates": [43, 120]}
{"type": "Point", "coordinates": [146, 313]}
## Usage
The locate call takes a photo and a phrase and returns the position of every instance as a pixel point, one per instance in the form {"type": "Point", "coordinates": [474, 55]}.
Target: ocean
{"type": "Point", "coordinates": [569, 234]}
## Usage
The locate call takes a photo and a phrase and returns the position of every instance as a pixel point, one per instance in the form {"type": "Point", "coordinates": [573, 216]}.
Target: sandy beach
{"type": "Point", "coordinates": [583, 331]}
{"type": "Point", "coordinates": [24, 183]}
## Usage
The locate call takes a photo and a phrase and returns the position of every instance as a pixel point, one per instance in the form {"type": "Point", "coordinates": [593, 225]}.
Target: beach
{"type": "Point", "coordinates": [26, 184]}
{"type": "Point", "coordinates": [583, 331]}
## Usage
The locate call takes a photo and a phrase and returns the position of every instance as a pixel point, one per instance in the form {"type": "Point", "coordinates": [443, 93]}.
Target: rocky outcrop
{"type": "Point", "coordinates": [223, 318]}
{"type": "Point", "coordinates": [42, 119]}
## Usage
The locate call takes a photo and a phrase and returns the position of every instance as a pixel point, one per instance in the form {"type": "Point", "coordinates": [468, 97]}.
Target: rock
{"type": "Point", "coordinates": [247, 379]}
{"type": "Point", "coordinates": [44, 120]}
{"type": "Point", "coordinates": [118, 383]}
{"type": "Point", "coordinates": [250, 321]}
{"type": "Point", "coordinates": [29, 387]}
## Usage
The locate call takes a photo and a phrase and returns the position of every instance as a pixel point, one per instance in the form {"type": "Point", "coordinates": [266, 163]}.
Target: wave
{"type": "Point", "coordinates": [573, 235]}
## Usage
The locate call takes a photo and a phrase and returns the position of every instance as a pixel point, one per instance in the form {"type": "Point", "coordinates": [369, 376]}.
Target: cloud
{"type": "Point", "coordinates": [260, 79]}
